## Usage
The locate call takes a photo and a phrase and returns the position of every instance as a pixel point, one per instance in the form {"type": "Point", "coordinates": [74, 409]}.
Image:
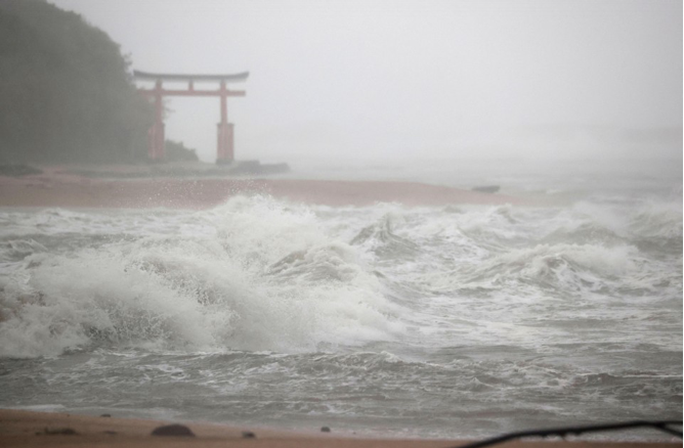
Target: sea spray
{"type": "Point", "coordinates": [249, 281]}
{"type": "Point", "coordinates": [457, 321]}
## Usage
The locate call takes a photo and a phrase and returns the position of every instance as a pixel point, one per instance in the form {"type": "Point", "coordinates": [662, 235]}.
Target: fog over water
{"type": "Point", "coordinates": [387, 79]}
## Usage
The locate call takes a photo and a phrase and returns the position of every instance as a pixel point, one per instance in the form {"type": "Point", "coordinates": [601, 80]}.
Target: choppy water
{"type": "Point", "coordinates": [434, 322]}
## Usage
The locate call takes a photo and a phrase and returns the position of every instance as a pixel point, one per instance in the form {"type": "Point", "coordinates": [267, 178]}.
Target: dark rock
{"type": "Point", "coordinates": [257, 168]}
{"type": "Point", "coordinates": [110, 432]}
{"type": "Point", "coordinates": [59, 431]}
{"type": "Point", "coordinates": [248, 435]}
{"type": "Point", "coordinates": [487, 188]}
{"type": "Point", "coordinates": [325, 429]}
{"type": "Point", "coordinates": [18, 169]}
{"type": "Point", "coordinates": [106, 415]}
{"type": "Point", "coordinates": [173, 430]}
{"type": "Point", "coordinates": [274, 168]}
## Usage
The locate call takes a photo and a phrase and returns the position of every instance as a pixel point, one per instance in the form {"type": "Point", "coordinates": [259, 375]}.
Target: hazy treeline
{"type": "Point", "coordinates": [65, 90]}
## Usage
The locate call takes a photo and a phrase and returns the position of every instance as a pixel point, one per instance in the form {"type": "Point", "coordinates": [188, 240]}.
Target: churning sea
{"type": "Point", "coordinates": [446, 322]}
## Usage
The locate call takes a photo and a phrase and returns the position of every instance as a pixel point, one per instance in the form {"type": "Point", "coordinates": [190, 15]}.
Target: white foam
{"type": "Point", "coordinates": [209, 290]}
{"type": "Point", "coordinates": [260, 274]}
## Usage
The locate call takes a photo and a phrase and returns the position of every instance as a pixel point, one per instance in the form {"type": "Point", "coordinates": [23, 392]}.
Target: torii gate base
{"type": "Point", "coordinates": [225, 148]}
{"type": "Point", "coordinates": [225, 152]}
{"type": "Point", "coordinates": [155, 142]}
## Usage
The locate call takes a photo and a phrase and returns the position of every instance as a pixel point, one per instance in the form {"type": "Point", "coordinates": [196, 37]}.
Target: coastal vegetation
{"type": "Point", "coordinates": [66, 90]}
{"type": "Point", "coordinates": [177, 151]}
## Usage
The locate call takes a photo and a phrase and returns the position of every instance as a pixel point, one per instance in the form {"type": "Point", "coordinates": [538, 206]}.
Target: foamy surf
{"type": "Point", "coordinates": [376, 317]}
{"type": "Point", "coordinates": [282, 286]}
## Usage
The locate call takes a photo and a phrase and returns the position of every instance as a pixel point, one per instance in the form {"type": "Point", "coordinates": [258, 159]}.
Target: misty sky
{"type": "Point", "coordinates": [374, 78]}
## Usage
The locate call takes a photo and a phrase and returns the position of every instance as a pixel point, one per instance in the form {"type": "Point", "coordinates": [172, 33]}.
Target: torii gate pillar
{"type": "Point", "coordinates": [225, 149]}
{"type": "Point", "coordinates": [155, 135]}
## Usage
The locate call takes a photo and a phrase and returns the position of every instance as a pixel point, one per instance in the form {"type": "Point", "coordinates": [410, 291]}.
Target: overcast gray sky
{"type": "Point", "coordinates": [375, 78]}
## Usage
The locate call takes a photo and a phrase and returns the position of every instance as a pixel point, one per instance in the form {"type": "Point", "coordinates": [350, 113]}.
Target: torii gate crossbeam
{"type": "Point", "coordinates": [225, 151]}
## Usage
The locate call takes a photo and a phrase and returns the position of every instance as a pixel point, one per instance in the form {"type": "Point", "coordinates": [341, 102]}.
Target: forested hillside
{"type": "Point", "coordinates": [65, 92]}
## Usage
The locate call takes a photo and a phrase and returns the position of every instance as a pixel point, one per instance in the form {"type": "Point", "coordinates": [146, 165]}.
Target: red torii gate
{"type": "Point", "coordinates": [155, 136]}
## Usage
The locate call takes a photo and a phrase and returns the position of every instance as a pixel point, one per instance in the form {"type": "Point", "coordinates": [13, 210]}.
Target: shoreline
{"type": "Point", "coordinates": [22, 428]}
{"type": "Point", "coordinates": [55, 188]}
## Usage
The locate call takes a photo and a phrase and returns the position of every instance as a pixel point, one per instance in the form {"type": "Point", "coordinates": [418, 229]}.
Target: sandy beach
{"type": "Point", "coordinates": [57, 188]}
{"type": "Point", "coordinates": [20, 428]}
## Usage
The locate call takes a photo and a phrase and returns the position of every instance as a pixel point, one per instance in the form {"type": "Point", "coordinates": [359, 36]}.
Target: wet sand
{"type": "Point", "coordinates": [54, 188]}
{"type": "Point", "coordinates": [38, 429]}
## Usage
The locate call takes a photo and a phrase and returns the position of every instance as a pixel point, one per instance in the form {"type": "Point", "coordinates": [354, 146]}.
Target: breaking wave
{"type": "Point", "coordinates": [259, 274]}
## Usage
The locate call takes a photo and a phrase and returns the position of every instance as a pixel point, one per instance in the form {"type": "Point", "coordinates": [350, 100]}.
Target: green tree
{"type": "Point", "coordinates": [65, 90]}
